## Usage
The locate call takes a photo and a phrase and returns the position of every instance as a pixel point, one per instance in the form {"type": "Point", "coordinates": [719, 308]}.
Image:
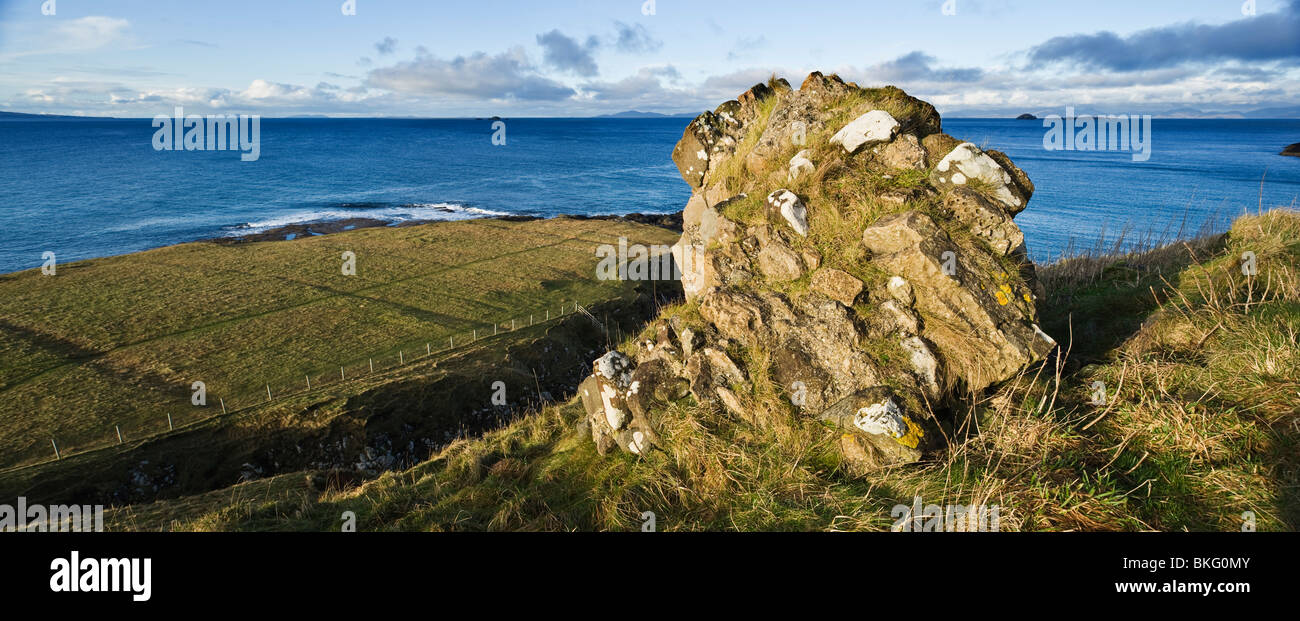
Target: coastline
{"type": "Point", "coordinates": [291, 232]}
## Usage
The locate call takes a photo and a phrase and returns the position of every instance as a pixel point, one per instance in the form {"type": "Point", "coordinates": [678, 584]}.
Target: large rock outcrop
{"type": "Point", "coordinates": [871, 260]}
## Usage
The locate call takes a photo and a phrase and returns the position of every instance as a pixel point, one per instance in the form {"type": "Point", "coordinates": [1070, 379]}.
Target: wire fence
{"type": "Point", "coordinates": [187, 415]}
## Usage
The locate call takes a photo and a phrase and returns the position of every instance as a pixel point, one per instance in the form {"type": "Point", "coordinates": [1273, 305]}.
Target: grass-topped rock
{"type": "Point", "coordinates": [869, 259]}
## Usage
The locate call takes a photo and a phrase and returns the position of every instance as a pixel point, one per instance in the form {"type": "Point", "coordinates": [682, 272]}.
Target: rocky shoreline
{"type": "Point", "coordinates": [1292, 150]}
{"type": "Point", "coordinates": [671, 221]}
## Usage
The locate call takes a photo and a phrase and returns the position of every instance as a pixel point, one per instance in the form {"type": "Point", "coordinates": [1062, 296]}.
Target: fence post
{"type": "Point", "coordinates": [476, 334]}
{"type": "Point", "coordinates": [268, 393]}
{"type": "Point", "coordinates": [512, 325]}
{"type": "Point", "coordinates": [119, 433]}
{"type": "Point", "coordinates": [452, 341]}
{"type": "Point", "coordinates": [494, 329]}
{"type": "Point", "coordinates": [530, 319]}
{"type": "Point", "coordinates": [401, 359]}
{"type": "Point", "coordinates": [308, 381]}
{"type": "Point", "coordinates": [372, 365]}
{"type": "Point", "coordinates": [428, 349]}
{"type": "Point", "coordinates": [170, 427]}
{"type": "Point", "coordinates": [342, 377]}
{"type": "Point", "coordinates": [56, 449]}
{"type": "Point", "coordinates": [223, 405]}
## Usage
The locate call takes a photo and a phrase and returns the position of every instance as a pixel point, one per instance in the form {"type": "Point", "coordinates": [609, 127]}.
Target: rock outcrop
{"type": "Point", "coordinates": [1292, 150]}
{"type": "Point", "coordinates": [871, 261]}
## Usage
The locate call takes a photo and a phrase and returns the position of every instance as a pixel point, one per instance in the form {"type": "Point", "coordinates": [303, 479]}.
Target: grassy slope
{"type": "Point", "coordinates": [118, 341]}
{"type": "Point", "coordinates": [1200, 365]}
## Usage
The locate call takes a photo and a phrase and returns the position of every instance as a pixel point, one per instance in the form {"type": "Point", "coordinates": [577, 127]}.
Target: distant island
{"type": "Point", "coordinates": [1026, 117]}
{"type": "Point", "coordinates": [1292, 150]}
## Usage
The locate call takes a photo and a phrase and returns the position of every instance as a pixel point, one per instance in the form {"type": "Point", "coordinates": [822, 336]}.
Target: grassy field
{"type": "Point", "coordinates": [117, 343]}
{"type": "Point", "coordinates": [1198, 430]}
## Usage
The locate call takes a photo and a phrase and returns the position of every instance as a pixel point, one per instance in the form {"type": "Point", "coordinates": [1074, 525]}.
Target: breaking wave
{"type": "Point", "coordinates": [392, 214]}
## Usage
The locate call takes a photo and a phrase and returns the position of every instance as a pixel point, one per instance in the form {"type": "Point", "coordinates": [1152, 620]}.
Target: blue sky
{"type": "Point", "coordinates": [580, 57]}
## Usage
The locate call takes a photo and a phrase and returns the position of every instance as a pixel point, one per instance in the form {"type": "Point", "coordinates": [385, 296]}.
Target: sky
{"type": "Point", "coordinates": [477, 58]}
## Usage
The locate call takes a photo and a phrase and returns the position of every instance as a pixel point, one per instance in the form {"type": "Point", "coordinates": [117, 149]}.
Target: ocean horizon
{"type": "Point", "coordinates": [92, 187]}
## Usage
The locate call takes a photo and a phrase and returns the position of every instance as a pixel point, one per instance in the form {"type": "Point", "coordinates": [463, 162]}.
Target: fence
{"type": "Point", "coordinates": [235, 402]}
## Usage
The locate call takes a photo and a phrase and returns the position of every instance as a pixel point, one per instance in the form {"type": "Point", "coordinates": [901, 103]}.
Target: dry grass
{"type": "Point", "coordinates": [1198, 428]}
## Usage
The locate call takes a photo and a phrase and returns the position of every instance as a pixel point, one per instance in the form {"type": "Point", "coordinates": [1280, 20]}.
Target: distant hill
{"type": "Point", "coordinates": [23, 116]}
{"type": "Point", "coordinates": [1184, 112]}
{"type": "Point", "coordinates": [636, 114]}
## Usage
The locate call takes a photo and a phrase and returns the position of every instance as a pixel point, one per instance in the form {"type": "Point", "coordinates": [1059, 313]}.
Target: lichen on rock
{"type": "Point", "coordinates": [884, 287]}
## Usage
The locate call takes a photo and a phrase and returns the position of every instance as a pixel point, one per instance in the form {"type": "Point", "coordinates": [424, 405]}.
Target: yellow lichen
{"type": "Point", "coordinates": [914, 434]}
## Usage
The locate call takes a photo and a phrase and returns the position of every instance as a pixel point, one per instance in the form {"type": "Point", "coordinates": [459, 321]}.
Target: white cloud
{"type": "Point", "coordinates": [506, 76]}
{"type": "Point", "coordinates": [91, 32]}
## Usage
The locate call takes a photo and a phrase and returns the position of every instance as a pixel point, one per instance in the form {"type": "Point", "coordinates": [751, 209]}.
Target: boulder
{"type": "Point", "coordinates": [800, 164]}
{"type": "Point", "coordinates": [653, 384]}
{"type": "Point", "coordinates": [837, 285]}
{"type": "Point", "coordinates": [928, 301]}
{"type": "Point", "coordinates": [702, 137]}
{"type": "Point", "coordinates": [821, 88]}
{"type": "Point", "coordinates": [966, 163]}
{"type": "Point", "coordinates": [702, 225]}
{"type": "Point", "coordinates": [811, 258]}
{"type": "Point", "coordinates": [737, 316]}
{"type": "Point", "coordinates": [979, 318]}
{"type": "Point", "coordinates": [985, 219]}
{"type": "Point", "coordinates": [905, 153]}
{"type": "Point", "coordinates": [619, 398]}
{"type": "Point", "coordinates": [1023, 186]}
{"type": "Point", "coordinates": [785, 206]}
{"type": "Point", "coordinates": [779, 263]}
{"type": "Point", "coordinates": [708, 369]}
{"type": "Point", "coordinates": [884, 435]}
{"type": "Point", "coordinates": [590, 392]}
{"type": "Point", "coordinates": [712, 137]}
{"type": "Point", "coordinates": [614, 368]}
{"type": "Point", "coordinates": [869, 129]}
{"type": "Point", "coordinates": [924, 365]}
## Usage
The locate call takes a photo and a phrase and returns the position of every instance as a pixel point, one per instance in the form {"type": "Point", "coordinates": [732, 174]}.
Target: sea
{"type": "Point", "coordinates": [86, 188]}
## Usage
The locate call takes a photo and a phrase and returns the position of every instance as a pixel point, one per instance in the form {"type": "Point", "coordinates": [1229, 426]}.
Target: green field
{"type": "Point", "coordinates": [117, 343]}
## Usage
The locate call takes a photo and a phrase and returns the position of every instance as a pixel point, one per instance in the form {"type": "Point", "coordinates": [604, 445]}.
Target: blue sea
{"type": "Point", "coordinates": [93, 188]}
